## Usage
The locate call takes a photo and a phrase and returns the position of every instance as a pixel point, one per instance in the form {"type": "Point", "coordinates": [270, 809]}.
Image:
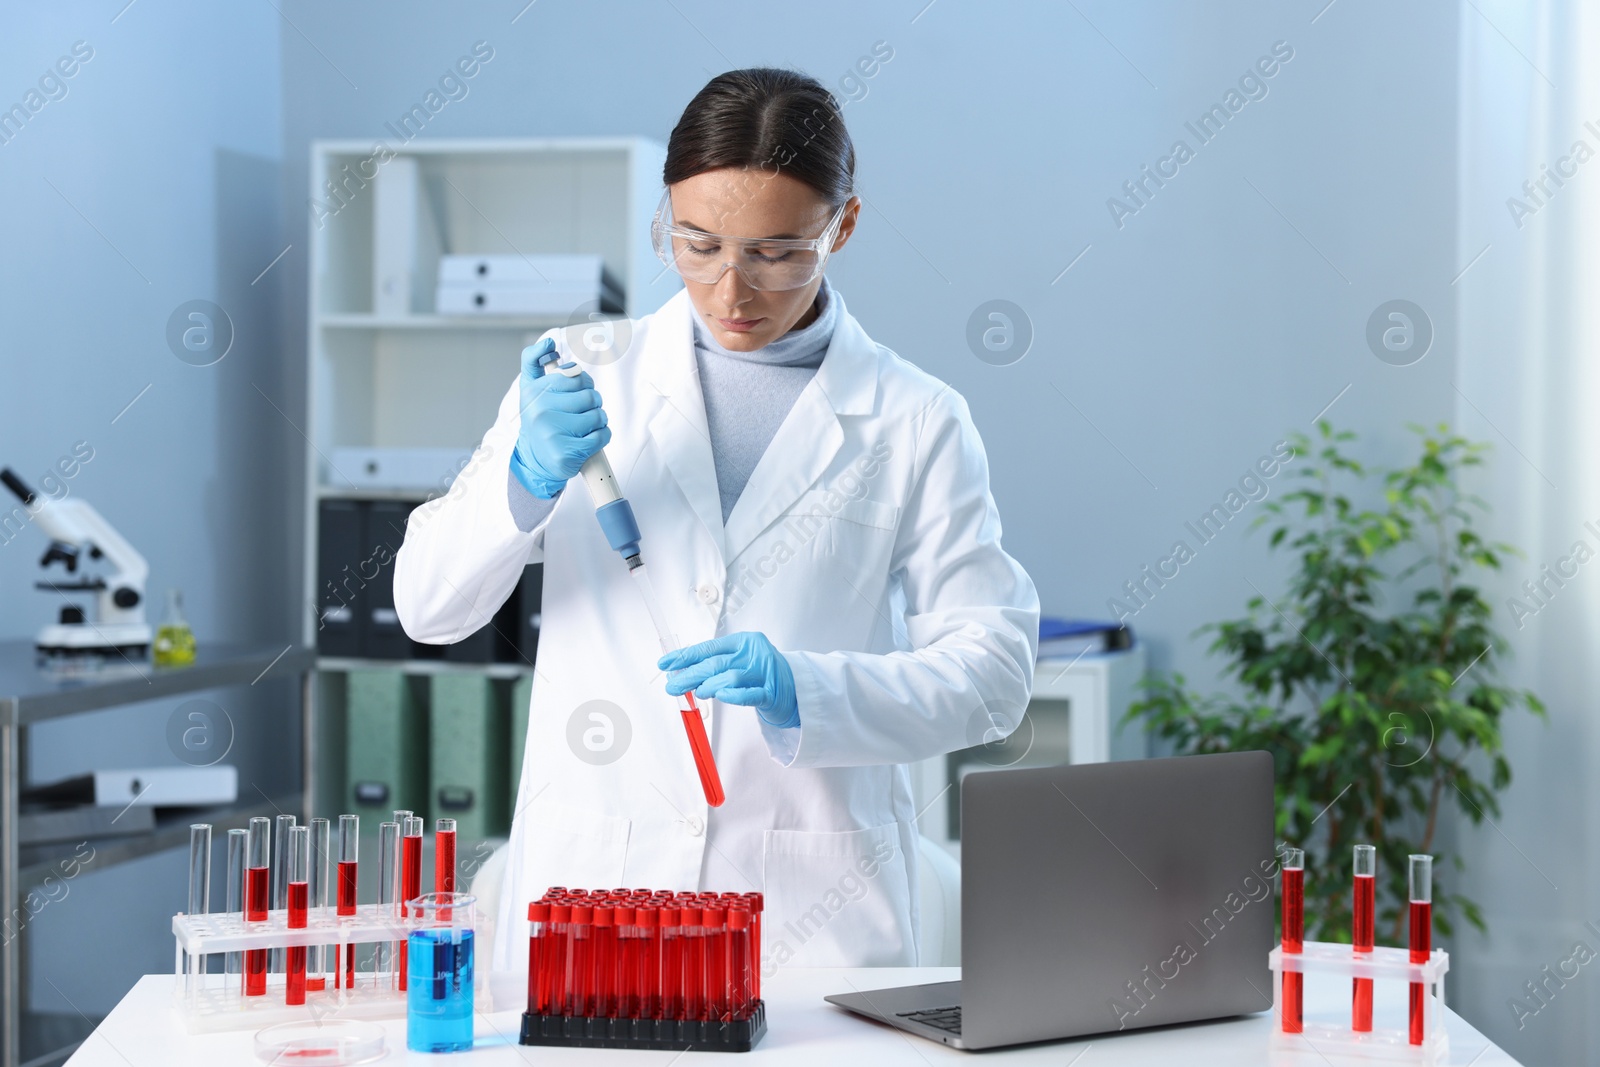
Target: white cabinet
{"type": "Point", "coordinates": [1074, 716]}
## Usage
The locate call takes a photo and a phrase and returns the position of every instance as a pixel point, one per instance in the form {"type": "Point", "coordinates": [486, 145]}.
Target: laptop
{"type": "Point", "coordinates": [1103, 897]}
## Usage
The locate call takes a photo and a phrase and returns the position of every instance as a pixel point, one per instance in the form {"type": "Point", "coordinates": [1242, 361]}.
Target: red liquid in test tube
{"type": "Point", "coordinates": [671, 963]}
{"type": "Point", "coordinates": [739, 960]}
{"type": "Point", "coordinates": [694, 963]}
{"type": "Point", "coordinates": [556, 960]}
{"type": "Point", "coordinates": [579, 950]}
{"type": "Point", "coordinates": [444, 857]}
{"type": "Point", "coordinates": [298, 899]}
{"type": "Point", "coordinates": [1421, 879]}
{"type": "Point", "coordinates": [700, 745]}
{"type": "Point", "coordinates": [627, 1006]}
{"type": "Point", "coordinates": [1362, 929]}
{"type": "Point", "coordinates": [604, 950]}
{"type": "Point", "coordinates": [1294, 932]}
{"type": "Point", "coordinates": [538, 923]}
{"type": "Point", "coordinates": [410, 877]}
{"type": "Point", "coordinates": [349, 854]}
{"type": "Point", "coordinates": [256, 890]}
{"type": "Point", "coordinates": [716, 938]}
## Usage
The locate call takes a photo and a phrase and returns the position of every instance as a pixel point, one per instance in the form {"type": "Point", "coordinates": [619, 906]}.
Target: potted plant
{"type": "Point", "coordinates": [1370, 679]}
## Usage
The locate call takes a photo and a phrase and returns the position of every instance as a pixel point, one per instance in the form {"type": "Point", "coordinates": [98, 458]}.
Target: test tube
{"type": "Point", "coordinates": [1294, 932]}
{"type": "Point", "coordinates": [297, 895]}
{"type": "Point", "coordinates": [389, 893]}
{"type": "Point", "coordinates": [349, 857]}
{"type": "Point", "coordinates": [237, 842]}
{"type": "Point", "coordinates": [444, 857]}
{"type": "Point", "coordinates": [604, 951]}
{"type": "Point", "coordinates": [579, 952]}
{"type": "Point", "coordinates": [256, 892]}
{"type": "Point", "coordinates": [557, 961]}
{"type": "Point", "coordinates": [671, 961]}
{"type": "Point", "coordinates": [627, 960]}
{"type": "Point", "coordinates": [199, 877]}
{"type": "Point", "coordinates": [280, 877]}
{"type": "Point", "coordinates": [1362, 933]}
{"type": "Point", "coordinates": [739, 960]}
{"type": "Point", "coordinates": [538, 923]}
{"type": "Point", "coordinates": [757, 903]}
{"type": "Point", "coordinates": [410, 876]}
{"type": "Point", "coordinates": [718, 973]}
{"type": "Point", "coordinates": [317, 888]}
{"type": "Point", "coordinates": [1421, 883]}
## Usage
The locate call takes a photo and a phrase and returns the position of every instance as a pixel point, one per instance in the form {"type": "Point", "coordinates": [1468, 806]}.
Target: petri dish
{"type": "Point", "coordinates": [328, 1043]}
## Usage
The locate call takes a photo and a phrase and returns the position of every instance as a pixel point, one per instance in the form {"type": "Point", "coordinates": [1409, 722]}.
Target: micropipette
{"type": "Point", "coordinates": [621, 530]}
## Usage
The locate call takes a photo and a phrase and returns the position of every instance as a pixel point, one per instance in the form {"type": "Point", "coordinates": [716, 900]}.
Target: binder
{"type": "Point", "coordinates": [387, 750]}
{"type": "Point", "coordinates": [530, 590]}
{"type": "Point", "coordinates": [341, 597]}
{"type": "Point", "coordinates": [384, 531]}
{"type": "Point", "coordinates": [467, 724]}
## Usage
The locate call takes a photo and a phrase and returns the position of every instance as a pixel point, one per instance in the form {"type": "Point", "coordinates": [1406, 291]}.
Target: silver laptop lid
{"type": "Point", "coordinates": [1115, 895]}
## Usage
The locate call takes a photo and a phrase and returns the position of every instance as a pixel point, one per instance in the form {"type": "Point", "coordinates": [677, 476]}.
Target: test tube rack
{"type": "Point", "coordinates": [1324, 957]}
{"type": "Point", "coordinates": [211, 1002]}
{"type": "Point", "coordinates": [643, 969]}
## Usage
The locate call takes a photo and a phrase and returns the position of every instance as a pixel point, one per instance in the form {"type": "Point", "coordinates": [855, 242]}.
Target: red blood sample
{"type": "Point", "coordinates": [444, 861]}
{"type": "Point", "coordinates": [627, 966]}
{"type": "Point", "coordinates": [648, 917]}
{"type": "Point", "coordinates": [538, 919]}
{"type": "Point", "coordinates": [255, 911]}
{"type": "Point", "coordinates": [295, 957]}
{"type": "Point", "coordinates": [581, 987]}
{"type": "Point", "coordinates": [555, 960]}
{"type": "Point", "coordinates": [1293, 942]}
{"type": "Point", "coordinates": [718, 1001]}
{"type": "Point", "coordinates": [1363, 933]}
{"type": "Point", "coordinates": [671, 963]}
{"type": "Point", "coordinates": [1421, 948]}
{"type": "Point", "coordinates": [346, 905]}
{"type": "Point", "coordinates": [694, 964]}
{"type": "Point", "coordinates": [700, 745]}
{"type": "Point", "coordinates": [604, 952]}
{"type": "Point", "coordinates": [410, 885]}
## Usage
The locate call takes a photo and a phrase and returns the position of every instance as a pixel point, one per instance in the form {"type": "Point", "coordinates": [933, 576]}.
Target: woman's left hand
{"type": "Point", "coordinates": [742, 668]}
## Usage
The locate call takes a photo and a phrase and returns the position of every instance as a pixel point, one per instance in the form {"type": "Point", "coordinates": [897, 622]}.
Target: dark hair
{"type": "Point", "coordinates": [780, 121]}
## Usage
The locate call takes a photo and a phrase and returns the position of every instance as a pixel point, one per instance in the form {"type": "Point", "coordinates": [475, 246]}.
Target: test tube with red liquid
{"type": "Point", "coordinates": [604, 951]}
{"type": "Point", "coordinates": [1294, 932]}
{"type": "Point", "coordinates": [410, 876]}
{"type": "Point", "coordinates": [1362, 933]}
{"type": "Point", "coordinates": [739, 959]}
{"type": "Point", "coordinates": [256, 891]}
{"type": "Point", "coordinates": [627, 970]}
{"type": "Point", "coordinates": [349, 857]}
{"type": "Point", "coordinates": [1421, 884]}
{"type": "Point", "coordinates": [297, 892]}
{"type": "Point", "coordinates": [580, 988]}
{"type": "Point", "coordinates": [538, 924]}
{"type": "Point", "coordinates": [648, 916]}
{"type": "Point", "coordinates": [444, 856]}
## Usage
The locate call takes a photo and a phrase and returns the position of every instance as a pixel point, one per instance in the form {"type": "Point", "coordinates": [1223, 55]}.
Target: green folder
{"type": "Point", "coordinates": [387, 744]}
{"type": "Point", "coordinates": [521, 696]}
{"type": "Point", "coordinates": [467, 722]}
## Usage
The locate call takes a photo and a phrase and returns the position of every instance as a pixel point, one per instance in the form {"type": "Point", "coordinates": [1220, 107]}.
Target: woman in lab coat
{"type": "Point", "coordinates": [817, 522]}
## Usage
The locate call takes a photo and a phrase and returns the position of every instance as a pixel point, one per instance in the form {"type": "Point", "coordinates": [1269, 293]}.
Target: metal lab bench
{"type": "Point", "coordinates": [30, 695]}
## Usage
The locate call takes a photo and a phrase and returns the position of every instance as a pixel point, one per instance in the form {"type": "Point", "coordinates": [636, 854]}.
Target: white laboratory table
{"type": "Point", "coordinates": [143, 1031]}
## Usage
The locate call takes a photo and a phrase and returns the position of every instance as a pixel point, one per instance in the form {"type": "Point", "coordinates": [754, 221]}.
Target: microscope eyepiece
{"type": "Point", "coordinates": [16, 485]}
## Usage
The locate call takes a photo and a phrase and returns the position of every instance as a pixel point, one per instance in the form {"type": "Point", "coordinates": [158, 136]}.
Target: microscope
{"type": "Point", "coordinates": [118, 627]}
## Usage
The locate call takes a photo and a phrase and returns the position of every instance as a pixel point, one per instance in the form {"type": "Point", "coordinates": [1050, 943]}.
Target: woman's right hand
{"type": "Point", "coordinates": [563, 425]}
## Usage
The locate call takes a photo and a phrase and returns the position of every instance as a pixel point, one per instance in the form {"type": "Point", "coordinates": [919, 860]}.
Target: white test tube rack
{"type": "Point", "coordinates": [211, 1002]}
{"type": "Point", "coordinates": [1324, 957]}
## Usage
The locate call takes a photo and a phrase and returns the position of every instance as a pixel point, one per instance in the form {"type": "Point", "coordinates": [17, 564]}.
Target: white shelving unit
{"type": "Point", "coordinates": [412, 378]}
{"type": "Point", "coordinates": [386, 371]}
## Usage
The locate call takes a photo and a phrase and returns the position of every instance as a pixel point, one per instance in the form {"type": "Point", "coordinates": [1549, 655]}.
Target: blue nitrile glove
{"type": "Point", "coordinates": [562, 425]}
{"type": "Point", "coordinates": [740, 668]}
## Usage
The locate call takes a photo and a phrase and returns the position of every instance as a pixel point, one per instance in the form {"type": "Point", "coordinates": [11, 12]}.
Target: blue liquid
{"type": "Point", "coordinates": [439, 991]}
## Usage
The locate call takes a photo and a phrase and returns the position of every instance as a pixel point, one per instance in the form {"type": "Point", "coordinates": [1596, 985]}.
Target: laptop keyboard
{"type": "Point", "coordinates": [947, 1019]}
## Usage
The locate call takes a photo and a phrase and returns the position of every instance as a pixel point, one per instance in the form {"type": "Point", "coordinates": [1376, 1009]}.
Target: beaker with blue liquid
{"type": "Point", "coordinates": [439, 973]}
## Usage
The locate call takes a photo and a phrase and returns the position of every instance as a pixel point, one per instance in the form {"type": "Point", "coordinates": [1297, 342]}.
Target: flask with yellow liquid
{"type": "Point", "coordinates": [174, 644]}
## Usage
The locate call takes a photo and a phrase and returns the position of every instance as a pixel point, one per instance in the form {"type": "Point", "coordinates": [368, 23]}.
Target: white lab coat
{"type": "Point", "coordinates": [866, 546]}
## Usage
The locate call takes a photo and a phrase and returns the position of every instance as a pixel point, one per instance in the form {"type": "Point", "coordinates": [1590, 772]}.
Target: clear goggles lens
{"type": "Point", "coordinates": [763, 264]}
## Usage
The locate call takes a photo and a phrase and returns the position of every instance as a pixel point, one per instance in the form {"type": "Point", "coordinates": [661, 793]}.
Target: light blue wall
{"type": "Point", "coordinates": [152, 182]}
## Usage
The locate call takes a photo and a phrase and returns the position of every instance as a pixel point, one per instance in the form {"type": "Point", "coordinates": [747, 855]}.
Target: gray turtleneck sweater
{"type": "Point", "coordinates": [747, 397]}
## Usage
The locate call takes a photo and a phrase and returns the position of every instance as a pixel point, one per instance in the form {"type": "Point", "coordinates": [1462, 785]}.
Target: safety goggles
{"type": "Point", "coordinates": [763, 263]}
